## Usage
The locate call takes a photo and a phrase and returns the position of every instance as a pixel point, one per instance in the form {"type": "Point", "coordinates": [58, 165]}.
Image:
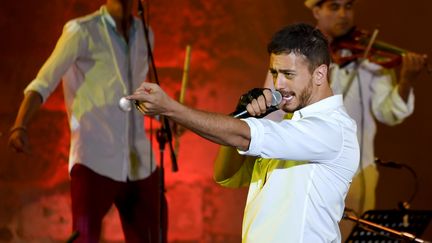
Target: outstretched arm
{"type": "Point", "coordinates": [217, 128]}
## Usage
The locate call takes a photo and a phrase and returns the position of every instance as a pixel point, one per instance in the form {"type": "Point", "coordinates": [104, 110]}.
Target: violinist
{"type": "Point", "coordinates": [371, 93]}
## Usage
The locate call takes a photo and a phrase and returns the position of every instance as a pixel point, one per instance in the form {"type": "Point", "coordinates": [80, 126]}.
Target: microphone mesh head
{"type": "Point", "coordinates": [276, 98]}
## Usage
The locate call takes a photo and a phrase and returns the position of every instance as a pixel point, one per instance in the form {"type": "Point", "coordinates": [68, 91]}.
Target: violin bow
{"type": "Point", "coordinates": [371, 41]}
{"type": "Point", "coordinates": [365, 54]}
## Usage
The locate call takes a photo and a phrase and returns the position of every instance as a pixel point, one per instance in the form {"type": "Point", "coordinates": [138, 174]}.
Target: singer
{"type": "Point", "coordinates": [101, 57]}
{"type": "Point", "coordinates": [297, 195]}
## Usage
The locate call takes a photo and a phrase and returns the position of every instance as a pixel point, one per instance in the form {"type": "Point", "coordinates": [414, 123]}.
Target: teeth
{"type": "Point", "coordinates": [289, 98]}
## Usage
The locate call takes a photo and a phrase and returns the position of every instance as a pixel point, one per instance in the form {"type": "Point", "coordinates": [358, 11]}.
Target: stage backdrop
{"type": "Point", "coordinates": [228, 40]}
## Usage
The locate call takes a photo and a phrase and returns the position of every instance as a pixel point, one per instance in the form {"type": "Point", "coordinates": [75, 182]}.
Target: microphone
{"type": "Point", "coordinates": [126, 105]}
{"type": "Point", "coordinates": [276, 100]}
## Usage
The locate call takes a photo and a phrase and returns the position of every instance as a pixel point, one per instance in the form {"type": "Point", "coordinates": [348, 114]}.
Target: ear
{"type": "Point", "coordinates": [315, 12]}
{"type": "Point", "coordinates": [320, 74]}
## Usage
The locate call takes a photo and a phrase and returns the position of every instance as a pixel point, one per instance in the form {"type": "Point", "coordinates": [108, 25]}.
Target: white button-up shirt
{"type": "Point", "coordinates": [298, 195]}
{"type": "Point", "coordinates": [98, 68]}
{"type": "Point", "coordinates": [373, 95]}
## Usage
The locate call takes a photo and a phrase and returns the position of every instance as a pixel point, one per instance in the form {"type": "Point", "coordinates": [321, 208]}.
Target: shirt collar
{"type": "Point", "coordinates": [331, 102]}
{"type": "Point", "coordinates": [110, 20]}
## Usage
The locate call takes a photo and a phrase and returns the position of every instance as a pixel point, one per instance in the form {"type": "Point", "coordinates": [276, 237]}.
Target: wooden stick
{"type": "Point", "coordinates": [182, 94]}
{"type": "Point", "coordinates": [185, 74]}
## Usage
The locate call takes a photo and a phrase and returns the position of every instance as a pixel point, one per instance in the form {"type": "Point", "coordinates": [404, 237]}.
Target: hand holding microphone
{"type": "Point", "coordinates": [252, 98]}
{"type": "Point", "coordinates": [149, 99]}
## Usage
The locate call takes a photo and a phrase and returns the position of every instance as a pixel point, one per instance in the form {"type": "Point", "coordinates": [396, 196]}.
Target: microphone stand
{"type": "Point", "coordinates": [163, 134]}
{"type": "Point", "coordinates": [72, 237]}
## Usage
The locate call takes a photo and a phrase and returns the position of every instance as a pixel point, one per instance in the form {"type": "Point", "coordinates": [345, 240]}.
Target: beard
{"type": "Point", "coordinates": [303, 98]}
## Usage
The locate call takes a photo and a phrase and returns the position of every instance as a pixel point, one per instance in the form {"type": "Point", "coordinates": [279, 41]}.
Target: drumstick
{"type": "Point", "coordinates": [185, 74]}
{"type": "Point", "coordinates": [182, 92]}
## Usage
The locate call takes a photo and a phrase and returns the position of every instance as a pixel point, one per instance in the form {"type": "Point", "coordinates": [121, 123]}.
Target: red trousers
{"type": "Point", "coordinates": [137, 203]}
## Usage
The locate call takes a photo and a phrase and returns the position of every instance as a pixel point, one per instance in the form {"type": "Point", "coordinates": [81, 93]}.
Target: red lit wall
{"type": "Point", "coordinates": [228, 40]}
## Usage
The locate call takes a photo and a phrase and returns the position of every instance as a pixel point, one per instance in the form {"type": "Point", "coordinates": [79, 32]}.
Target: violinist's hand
{"type": "Point", "coordinates": [152, 99]}
{"type": "Point", "coordinates": [412, 65]}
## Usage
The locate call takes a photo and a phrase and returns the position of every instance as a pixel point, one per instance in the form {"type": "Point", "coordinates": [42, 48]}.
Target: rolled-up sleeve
{"type": "Point", "coordinates": [67, 50]}
{"type": "Point", "coordinates": [308, 139]}
{"type": "Point", "coordinates": [387, 105]}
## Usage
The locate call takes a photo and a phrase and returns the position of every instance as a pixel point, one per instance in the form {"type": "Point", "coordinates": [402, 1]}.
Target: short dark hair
{"type": "Point", "coordinates": [301, 39]}
{"type": "Point", "coordinates": [320, 3]}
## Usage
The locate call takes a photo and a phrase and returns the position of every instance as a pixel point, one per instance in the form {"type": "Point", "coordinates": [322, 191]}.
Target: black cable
{"type": "Point", "coordinates": [395, 165]}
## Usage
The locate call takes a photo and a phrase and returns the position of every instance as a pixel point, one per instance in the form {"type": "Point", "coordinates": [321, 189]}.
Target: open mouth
{"type": "Point", "coordinates": [288, 96]}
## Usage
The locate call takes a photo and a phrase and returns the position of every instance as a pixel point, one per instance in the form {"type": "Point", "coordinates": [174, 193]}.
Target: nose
{"type": "Point", "coordinates": [342, 12]}
{"type": "Point", "coordinates": [278, 81]}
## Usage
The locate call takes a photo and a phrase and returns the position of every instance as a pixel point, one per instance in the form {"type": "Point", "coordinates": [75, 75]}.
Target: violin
{"type": "Point", "coordinates": [357, 44]}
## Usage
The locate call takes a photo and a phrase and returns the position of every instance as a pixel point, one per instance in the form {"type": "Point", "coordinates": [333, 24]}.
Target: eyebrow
{"type": "Point", "coordinates": [284, 71]}
{"type": "Point", "coordinates": [337, 3]}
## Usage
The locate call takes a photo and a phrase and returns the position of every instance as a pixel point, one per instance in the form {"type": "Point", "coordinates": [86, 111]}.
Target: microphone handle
{"type": "Point", "coordinates": [244, 114]}
{"type": "Point", "coordinates": [240, 114]}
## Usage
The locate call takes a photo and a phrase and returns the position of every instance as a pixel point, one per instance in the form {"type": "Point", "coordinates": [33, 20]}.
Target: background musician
{"type": "Point", "coordinates": [374, 94]}
{"type": "Point", "coordinates": [101, 57]}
